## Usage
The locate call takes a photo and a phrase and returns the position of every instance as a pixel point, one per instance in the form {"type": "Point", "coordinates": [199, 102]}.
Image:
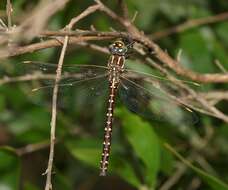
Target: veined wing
{"type": "Point", "coordinates": [71, 74]}
{"type": "Point", "coordinates": [138, 74]}
{"type": "Point", "coordinates": [86, 80]}
{"type": "Point", "coordinates": [155, 98]}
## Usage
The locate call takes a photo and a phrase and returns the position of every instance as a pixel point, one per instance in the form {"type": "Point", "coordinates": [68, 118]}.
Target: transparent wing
{"type": "Point", "coordinates": [155, 98]}
{"type": "Point", "coordinates": [70, 73]}
{"type": "Point", "coordinates": [85, 81]}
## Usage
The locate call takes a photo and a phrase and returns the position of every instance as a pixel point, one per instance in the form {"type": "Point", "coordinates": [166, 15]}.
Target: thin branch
{"type": "Point", "coordinates": [194, 184]}
{"type": "Point", "coordinates": [36, 22]}
{"type": "Point", "coordinates": [32, 148]}
{"type": "Point", "coordinates": [27, 77]}
{"type": "Point", "coordinates": [220, 66]}
{"type": "Point", "coordinates": [200, 99]}
{"type": "Point", "coordinates": [48, 185]}
{"type": "Point", "coordinates": [180, 171]}
{"type": "Point", "coordinates": [161, 55]}
{"type": "Point", "coordinates": [85, 13]}
{"type": "Point", "coordinates": [73, 21]}
{"type": "Point", "coordinates": [9, 10]}
{"type": "Point", "coordinates": [182, 167]}
{"type": "Point", "coordinates": [47, 44]}
{"type": "Point", "coordinates": [189, 25]}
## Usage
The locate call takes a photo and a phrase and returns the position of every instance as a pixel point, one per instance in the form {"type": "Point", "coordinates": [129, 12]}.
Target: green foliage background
{"type": "Point", "coordinates": [141, 157]}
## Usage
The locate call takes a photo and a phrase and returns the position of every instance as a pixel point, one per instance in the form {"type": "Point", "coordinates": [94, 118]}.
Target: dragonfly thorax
{"type": "Point", "coordinates": [116, 67]}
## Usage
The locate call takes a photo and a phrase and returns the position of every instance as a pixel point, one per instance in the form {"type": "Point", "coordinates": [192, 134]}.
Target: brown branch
{"type": "Point", "coordinates": [47, 44]}
{"type": "Point", "coordinates": [194, 184]}
{"type": "Point", "coordinates": [9, 10]}
{"type": "Point", "coordinates": [35, 22]}
{"type": "Point", "coordinates": [32, 148]}
{"type": "Point", "coordinates": [200, 99]}
{"type": "Point", "coordinates": [48, 185]}
{"type": "Point", "coordinates": [140, 37]}
{"type": "Point", "coordinates": [180, 171]}
{"type": "Point", "coordinates": [182, 167]}
{"type": "Point", "coordinates": [27, 77]}
{"type": "Point", "coordinates": [73, 21]}
{"type": "Point", "coordinates": [171, 63]}
{"type": "Point", "coordinates": [220, 66]}
{"type": "Point", "coordinates": [137, 36]}
{"type": "Point", "coordinates": [85, 13]}
{"type": "Point", "coordinates": [189, 25]}
{"type": "Point", "coordinates": [161, 55]}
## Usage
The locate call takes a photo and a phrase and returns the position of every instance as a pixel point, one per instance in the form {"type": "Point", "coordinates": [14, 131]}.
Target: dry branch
{"type": "Point", "coordinates": [73, 21]}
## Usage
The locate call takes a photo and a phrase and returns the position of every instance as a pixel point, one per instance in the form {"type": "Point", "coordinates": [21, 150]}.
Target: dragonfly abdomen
{"type": "Point", "coordinates": [108, 128]}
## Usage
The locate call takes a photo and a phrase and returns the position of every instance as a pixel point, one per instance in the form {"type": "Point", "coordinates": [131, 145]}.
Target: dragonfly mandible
{"type": "Point", "coordinates": [149, 95]}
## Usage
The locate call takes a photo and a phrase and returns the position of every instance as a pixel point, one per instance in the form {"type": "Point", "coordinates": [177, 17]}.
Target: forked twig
{"type": "Point", "coordinates": [73, 21]}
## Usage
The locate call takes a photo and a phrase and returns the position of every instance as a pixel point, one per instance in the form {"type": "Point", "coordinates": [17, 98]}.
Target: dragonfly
{"type": "Point", "coordinates": [143, 93]}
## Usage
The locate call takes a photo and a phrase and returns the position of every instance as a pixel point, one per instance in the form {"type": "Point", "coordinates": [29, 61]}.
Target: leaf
{"type": "Point", "coordinates": [89, 152]}
{"type": "Point", "coordinates": [61, 181]}
{"type": "Point", "coordinates": [167, 161]}
{"type": "Point", "coordinates": [196, 51]}
{"type": "Point", "coordinates": [9, 169]}
{"type": "Point", "coordinates": [147, 10]}
{"type": "Point", "coordinates": [221, 30]}
{"type": "Point", "coordinates": [144, 141]}
{"type": "Point", "coordinates": [212, 181]}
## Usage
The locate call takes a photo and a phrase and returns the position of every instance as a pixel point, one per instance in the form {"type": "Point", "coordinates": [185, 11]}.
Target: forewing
{"type": "Point", "coordinates": [85, 81]}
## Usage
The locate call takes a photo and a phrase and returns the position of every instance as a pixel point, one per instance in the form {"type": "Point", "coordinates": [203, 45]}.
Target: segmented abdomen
{"type": "Point", "coordinates": [108, 129]}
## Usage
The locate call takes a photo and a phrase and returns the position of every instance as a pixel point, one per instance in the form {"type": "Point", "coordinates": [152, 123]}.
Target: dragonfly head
{"type": "Point", "coordinates": [118, 48]}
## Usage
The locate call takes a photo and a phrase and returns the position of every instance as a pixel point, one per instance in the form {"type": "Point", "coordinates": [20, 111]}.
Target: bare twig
{"type": "Point", "coordinates": [173, 64]}
{"type": "Point", "coordinates": [182, 167]}
{"type": "Point", "coordinates": [220, 66]}
{"type": "Point", "coordinates": [32, 148]}
{"type": "Point", "coordinates": [35, 22]}
{"type": "Point", "coordinates": [27, 77]}
{"type": "Point", "coordinates": [48, 185]}
{"type": "Point", "coordinates": [73, 21]}
{"type": "Point", "coordinates": [159, 53]}
{"type": "Point", "coordinates": [85, 13]}
{"type": "Point", "coordinates": [9, 10]}
{"type": "Point", "coordinates": [180, 171]}
{"type": "Point", "coordinates": [46, 44]}
{"type": "Point", "coordinates": [195, 184]}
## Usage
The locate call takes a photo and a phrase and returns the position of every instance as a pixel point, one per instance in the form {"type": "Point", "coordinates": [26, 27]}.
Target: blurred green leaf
{"type": "Point", "coordinates": [167, 161]}
{"type": "Point", "coordinates": [29, 186]}
{"type": "Point", "coordinates": [196, 51]}
{"type": "Point", "coordinates": [2, 102]}
{"type": "Point", "coordinates": [89, 152]}
{"type": "Point", "coordinates": [212, 181]}
{"type": "Point", "coordinates": [61, 181]}
{"type": "Point", "coordinates": [221, 29]}
{"type": "Point", "coordinates": [86, 150]}
{"type": "Point", "coordinates": [144, 141]}
{"type": "Point", "coordinates": [9, 169]}
{"type": "Point", "coordinates": [147, 10]}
